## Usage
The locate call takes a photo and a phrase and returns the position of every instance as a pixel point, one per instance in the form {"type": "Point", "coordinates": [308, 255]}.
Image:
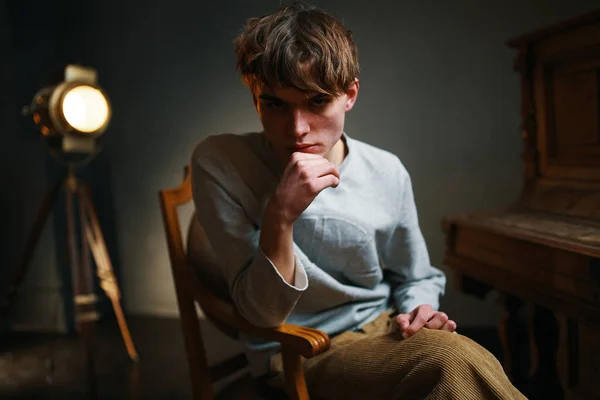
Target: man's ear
{"type": "Point", "coordinates": [352, 94]}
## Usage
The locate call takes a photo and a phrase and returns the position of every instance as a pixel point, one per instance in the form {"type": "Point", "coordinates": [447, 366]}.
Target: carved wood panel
{"type": "Point", "coordinates": [573, 126]}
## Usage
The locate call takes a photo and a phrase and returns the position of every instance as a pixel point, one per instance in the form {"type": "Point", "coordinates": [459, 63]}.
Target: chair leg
{"type": "Point", "coordinates": [194, 346]}
{"type": "Point", "coordinates": [294, 374]}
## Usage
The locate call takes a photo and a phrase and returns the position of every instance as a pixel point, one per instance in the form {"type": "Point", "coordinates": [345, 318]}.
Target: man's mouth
{"type": "Point", "coordinates": [305, 148]}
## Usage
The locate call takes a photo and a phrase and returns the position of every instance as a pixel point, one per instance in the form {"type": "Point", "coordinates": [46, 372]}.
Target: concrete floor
{"type": "Point", "coordinates": [54, 366]}
{"type": "Point", "coordinates": [43, 366]}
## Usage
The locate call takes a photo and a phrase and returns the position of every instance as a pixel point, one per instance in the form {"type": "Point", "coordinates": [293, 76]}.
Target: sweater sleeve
{"type": "Point", "coordinates": [413, 279]}
{"type": "Point", "coordinates": [259, 292]}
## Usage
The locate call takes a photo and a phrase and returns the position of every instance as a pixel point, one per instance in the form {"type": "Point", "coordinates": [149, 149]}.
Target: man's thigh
{"type": "Point", "coordinates": [431, 363]}
{"type": "Point", "coordinates": [362, 366]}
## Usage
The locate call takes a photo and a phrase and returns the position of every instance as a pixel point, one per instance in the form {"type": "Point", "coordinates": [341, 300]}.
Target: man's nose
{"type": "Point", "coordinates": [300, 124]}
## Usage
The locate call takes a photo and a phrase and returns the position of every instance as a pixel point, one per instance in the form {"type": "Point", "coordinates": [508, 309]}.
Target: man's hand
{"type": "Point", "coordinates": [305, 176]}
{"type": "Point", "coordinates": [423, 316]}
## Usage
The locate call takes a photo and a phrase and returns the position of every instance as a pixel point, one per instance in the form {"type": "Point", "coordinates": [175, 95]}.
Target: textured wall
{"type": "Point", "coordinates": [437, 89]}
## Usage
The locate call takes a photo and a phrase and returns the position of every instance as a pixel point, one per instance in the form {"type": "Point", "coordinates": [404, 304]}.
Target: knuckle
{"type": "Point", "coordinates": [304, 174]}
{"type": "Point", "coordinates": [312, 187]}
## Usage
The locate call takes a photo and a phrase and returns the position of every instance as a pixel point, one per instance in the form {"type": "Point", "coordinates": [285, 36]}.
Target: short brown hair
{"type": "Point", "coordinates": [297, 46]}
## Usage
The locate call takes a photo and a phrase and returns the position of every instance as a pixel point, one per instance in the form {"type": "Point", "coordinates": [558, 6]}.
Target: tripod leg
{"type": "Point", "coordinates": [30, 244]}
{"type": "Point", "coordinates": [108, 281]}
{"type": "Point", "coordinates": [81, 291]}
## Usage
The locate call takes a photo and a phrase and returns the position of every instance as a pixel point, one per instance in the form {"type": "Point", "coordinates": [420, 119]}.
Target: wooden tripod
{"type": "Point", "coordinates": [91, 238]}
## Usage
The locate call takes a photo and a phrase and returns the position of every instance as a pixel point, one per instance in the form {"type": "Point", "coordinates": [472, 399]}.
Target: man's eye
{"type": "Point", "coordinates": [274, 104]}
{"type": "Point", "coordinates": [320, 101]}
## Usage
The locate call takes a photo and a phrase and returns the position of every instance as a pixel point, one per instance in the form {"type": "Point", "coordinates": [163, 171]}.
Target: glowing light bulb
{"type": "Point", "coordinates": [85, 108]}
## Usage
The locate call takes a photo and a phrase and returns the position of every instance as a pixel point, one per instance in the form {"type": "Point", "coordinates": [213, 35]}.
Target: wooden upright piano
{"type": "Point", "coordinates": [542, 253]}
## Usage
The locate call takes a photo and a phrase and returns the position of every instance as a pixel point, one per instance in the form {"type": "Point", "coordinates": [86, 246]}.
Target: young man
{"type": "Point", "coordinates": [314, 228]}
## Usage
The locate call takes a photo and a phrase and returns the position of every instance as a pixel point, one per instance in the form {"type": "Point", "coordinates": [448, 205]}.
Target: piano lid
{"type": "Point", "coordinates": [574, 234]}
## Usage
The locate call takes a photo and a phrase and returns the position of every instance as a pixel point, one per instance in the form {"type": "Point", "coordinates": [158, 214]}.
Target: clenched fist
{"type": "Point", "coordinates": [305, 176]}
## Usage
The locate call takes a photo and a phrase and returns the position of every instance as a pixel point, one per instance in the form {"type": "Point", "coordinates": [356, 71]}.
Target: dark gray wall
{"type": "Point", "coordinates": [28, 52]}
{"type": "Point", "coordinates": [36, 41]}
{"type": "Point", "coordinates": [437, 89]}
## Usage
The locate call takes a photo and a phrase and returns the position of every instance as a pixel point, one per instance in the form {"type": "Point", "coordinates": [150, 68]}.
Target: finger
{"type": "Point", "coordinates": [306, 169]}
{"type": "Point", "coordinates": [319, 176]}
{"type": "Point", "coordinates": [298, 155]}
{"type": "Point", "coordinates": [413, 313]}
{"type": "Point", "coordinates": [298, 159]}
{"type": "Point", "coordinates": [449, 326]}
{"type": "Point", "coordinates": [437, 320]}
{"type": "Point", "coordinates": [423, 314]}
{"type": "Point", "coordinates": [403, 321]}
{"type": "Point", "coordinates": [307, 162]}
{"type": "Point", "coordinates": [322, 169]}
{"type": "Point", "coordinates": [325, 182]}
{"type": "Point", "coordinates": [303, 163]}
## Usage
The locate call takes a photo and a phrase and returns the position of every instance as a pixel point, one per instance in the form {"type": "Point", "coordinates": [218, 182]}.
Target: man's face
{"type": "Point", "coordinates": [299, 121]}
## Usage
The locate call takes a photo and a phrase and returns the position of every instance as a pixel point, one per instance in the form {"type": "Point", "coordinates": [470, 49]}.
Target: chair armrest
{"type": "Point", "coordinates": [308, 342]}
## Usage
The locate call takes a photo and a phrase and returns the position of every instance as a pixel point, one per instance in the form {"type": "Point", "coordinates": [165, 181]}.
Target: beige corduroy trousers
{"type": "Point", "coordinates": [377, 363]}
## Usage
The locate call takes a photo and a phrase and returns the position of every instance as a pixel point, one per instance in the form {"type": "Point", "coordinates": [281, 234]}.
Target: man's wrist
{"type": "Point", "coordinates": [276, 242]}
{"type": "Point", "coordinates": [276, 231]}
{"type": "Point", "coordinates": [276, 217]}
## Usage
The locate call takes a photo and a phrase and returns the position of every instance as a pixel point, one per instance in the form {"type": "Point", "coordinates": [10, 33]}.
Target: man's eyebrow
{"type": "Point", "coordinates": [269, 97]}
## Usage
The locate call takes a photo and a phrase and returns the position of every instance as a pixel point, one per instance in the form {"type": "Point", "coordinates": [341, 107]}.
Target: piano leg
{"type": "Point", "coordinates": [579, 358]}
{"type": "Point", "coordinates": [545, 382]}
{"type": "Point", "coordinates": [512, 331]}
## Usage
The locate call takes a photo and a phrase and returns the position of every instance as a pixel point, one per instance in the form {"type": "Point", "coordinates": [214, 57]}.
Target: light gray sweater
{"type": "Point", "coordinates": [358, 247]}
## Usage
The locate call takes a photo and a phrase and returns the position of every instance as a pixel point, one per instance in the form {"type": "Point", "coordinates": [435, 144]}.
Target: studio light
{"type": "Point", "coordinates": [72, 115]}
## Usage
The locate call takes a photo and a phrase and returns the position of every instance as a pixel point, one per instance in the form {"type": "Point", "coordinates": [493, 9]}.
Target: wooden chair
{"type": "Point", "coordinates": [195, 283]}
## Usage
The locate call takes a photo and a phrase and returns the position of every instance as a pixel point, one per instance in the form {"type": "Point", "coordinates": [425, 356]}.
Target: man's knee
{"type": "Point", "coordinates": [445, 351]}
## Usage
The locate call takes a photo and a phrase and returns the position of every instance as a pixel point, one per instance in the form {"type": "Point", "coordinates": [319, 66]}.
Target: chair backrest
{"type": "Point", "coordinates": [199, 257]}
{"type": "Point", "coordinates": [202, 259]}
{"type": "Point", "coordinates": [197, 278]}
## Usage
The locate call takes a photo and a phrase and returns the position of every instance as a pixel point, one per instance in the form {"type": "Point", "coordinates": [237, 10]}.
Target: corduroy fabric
{"type": "Point", "coordinates": [376, 363]}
